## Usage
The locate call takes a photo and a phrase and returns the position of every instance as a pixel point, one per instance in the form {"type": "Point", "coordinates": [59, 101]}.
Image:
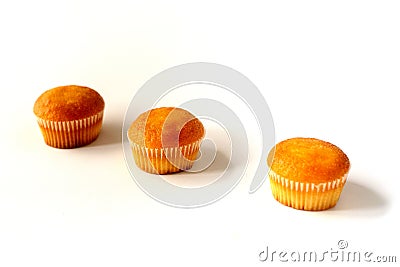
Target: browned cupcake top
{"type": "Point", "coordinates": [162, 127]}
{"type": "Point", "coordinates": [66, 103]}
{"type": "Point", "coordinates": [308, 160]}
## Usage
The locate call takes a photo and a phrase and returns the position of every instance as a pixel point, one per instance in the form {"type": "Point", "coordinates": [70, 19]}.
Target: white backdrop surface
{"type": "Point", "coordinates": [327, 69]}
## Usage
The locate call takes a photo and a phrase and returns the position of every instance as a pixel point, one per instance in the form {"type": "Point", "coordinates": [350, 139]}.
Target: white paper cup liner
{"type": "Point", "coordinates": [159, 160]}
{"type": "Point", "coordinates": [71, 134]}
{"type": "Point", "coordinates": [306, 196]}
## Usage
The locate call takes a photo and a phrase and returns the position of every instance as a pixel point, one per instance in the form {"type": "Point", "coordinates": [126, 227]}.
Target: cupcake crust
{"type": "Point", "coordinates": [308, 160]}
{"type": "Point", "coordinates": [161, 128]}
{"type": "Point", "coordinates": [68, 103]}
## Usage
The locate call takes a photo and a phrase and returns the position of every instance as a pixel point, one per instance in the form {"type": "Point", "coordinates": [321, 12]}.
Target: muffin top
{"type": "Point", "coordinates": [66, 103]}
{"type": "Point", "coordinates": [308, 160]}
{"type": "Point", "coordinates": [165, 127]}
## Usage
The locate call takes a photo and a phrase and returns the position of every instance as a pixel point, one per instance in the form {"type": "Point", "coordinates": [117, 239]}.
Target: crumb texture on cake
{"type": "Point", "coordinates": [308, 160]}
{"type": "Point", "coordinates": [165, 127]}
{"type": "Point", "coordinates": [68, 103]}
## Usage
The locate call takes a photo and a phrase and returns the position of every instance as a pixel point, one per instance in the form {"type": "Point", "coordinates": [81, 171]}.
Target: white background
{"type": "Point", "coordinates": [328, 69]}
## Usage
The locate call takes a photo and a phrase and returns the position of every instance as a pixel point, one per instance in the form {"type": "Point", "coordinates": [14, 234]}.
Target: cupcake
{"type": "Point", "coordinates": [307, 173]}
{"type": "Point", "coordinates": [69, 116]}
{"type": "Point", "coordinates": [165, 140]}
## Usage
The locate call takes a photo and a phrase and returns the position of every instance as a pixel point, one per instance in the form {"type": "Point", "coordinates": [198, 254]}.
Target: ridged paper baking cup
{"type": "Point", "coordinates": [70, 134]}
{"type": "Point", "coordinates": [158, 160]}
{"type": "Point", "coordinates": [306, 196]}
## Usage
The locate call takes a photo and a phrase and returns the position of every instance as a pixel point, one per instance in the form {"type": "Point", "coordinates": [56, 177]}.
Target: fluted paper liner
{"type": "Point", "coordinates": [306, 196]}
{"type": "Point", "coordinates": [70, 134]}
{"type": "Point", "coordinates": [158, 160]}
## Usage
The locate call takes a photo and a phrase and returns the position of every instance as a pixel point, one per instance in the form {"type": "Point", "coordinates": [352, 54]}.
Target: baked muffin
{"type": "Point", "coordinates": [307, 173]}
{"type": "Point", "coordinates": [69, 116]}
{"type": "Point", "coordinates": [165, 140]}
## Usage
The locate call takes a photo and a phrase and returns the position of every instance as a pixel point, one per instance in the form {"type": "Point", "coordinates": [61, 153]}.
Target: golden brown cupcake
{"type": "Point", "coordinates": [307, 173]}
{"type": "Point", "coordinates": [69, 116]}
{"type": "Point", "coordinates": [165, 140]}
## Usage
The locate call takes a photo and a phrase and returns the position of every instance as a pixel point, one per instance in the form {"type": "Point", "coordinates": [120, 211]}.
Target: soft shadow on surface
{"type": "Point", "coordinates": [220, 163]}
{"type": "Point", "coordinates": [207, 176]}
{"type": "Point", "coordinates": [111, 133]}
{"type": "Point", "coordinates": [359, 200]}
